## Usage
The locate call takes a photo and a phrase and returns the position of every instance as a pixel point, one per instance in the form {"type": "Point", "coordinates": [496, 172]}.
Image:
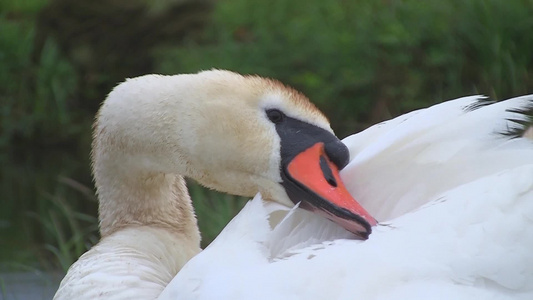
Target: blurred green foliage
{"type": "Point", "coordinates": [34, 95]}
{"type": "Point", "coordinates": [360, 61]}
{"type": "Point", "coordinates": [364, 61]}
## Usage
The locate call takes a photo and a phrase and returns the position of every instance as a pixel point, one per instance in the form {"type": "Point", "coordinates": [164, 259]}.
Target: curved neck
{"type": "Point", "coordinates": [139, 198]}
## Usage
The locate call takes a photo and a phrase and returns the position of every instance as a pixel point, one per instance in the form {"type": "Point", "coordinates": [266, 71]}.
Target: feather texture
{"type": "Point", "coordinates": [456, 199]}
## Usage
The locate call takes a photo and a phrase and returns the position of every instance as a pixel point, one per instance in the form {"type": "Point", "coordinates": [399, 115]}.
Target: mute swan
{"type": "Point", "coordinates": [453, 185]}
{"type": "Point", "coordinates": [233, 133]}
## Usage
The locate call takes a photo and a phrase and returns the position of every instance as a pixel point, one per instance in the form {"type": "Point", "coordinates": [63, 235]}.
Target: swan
{"type": "Point", "coordinates": [237, 134]}
{"type": "Point", "coordinates": [452, 186]}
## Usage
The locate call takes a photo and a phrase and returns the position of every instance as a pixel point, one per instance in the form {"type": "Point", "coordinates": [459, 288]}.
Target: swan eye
{"type": "Point", "coordinates": [275, 116]}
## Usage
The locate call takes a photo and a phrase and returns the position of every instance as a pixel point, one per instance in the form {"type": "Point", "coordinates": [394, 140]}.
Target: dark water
{"type": "Point", "coordinates": [29, 285]}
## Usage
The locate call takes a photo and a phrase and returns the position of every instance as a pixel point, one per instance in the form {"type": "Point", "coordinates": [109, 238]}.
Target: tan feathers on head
{"type": "Point", "coordinates": [211, 126]}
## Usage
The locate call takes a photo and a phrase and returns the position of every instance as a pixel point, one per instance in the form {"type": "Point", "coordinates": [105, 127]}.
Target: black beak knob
{"type": "Point", "coordinates": [338, 153]}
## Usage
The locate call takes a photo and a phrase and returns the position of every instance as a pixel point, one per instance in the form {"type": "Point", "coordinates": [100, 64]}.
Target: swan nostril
{"type": "Point", "coordinates": [328, 174]}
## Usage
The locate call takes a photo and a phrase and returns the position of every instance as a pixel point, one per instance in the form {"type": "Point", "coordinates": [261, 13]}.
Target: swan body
{"type": "Point", "coordinates": [237, 134]}
{"type": "Point", "coordinates": [453, 187]}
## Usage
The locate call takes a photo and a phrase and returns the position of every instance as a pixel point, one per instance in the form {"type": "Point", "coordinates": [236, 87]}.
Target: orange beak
{"type": "Point", "coordinates": [314, 174]}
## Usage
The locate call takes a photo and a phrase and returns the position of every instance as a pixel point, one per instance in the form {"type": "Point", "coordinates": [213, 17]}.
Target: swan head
{"type": "Point", "coordinates": [236, 134]}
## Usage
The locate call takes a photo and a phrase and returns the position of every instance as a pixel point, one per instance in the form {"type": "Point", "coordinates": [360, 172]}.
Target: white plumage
{"type": "Point", "coordinates": [453, 188]}
{"type": "Point", "coordinates": [217, 127]}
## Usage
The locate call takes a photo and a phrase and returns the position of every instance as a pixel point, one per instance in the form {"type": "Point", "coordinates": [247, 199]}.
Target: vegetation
{"type": "Point", "coordinates": [360, 61]}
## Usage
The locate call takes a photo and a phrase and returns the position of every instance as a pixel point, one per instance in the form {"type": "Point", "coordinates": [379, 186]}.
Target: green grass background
{"type": "Point", "coordinates": [360, 61]}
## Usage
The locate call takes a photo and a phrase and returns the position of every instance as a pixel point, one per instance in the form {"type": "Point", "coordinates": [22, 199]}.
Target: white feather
{"type": "Point", "coordinates": [457, 197]}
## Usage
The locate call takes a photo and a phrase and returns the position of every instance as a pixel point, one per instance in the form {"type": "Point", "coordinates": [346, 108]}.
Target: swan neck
{"type": "Point", "coordinates": [144, 199]}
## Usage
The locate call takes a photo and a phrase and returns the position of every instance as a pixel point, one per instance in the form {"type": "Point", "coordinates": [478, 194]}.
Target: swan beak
{"type": "Point", "coordinates": [314, 172]}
